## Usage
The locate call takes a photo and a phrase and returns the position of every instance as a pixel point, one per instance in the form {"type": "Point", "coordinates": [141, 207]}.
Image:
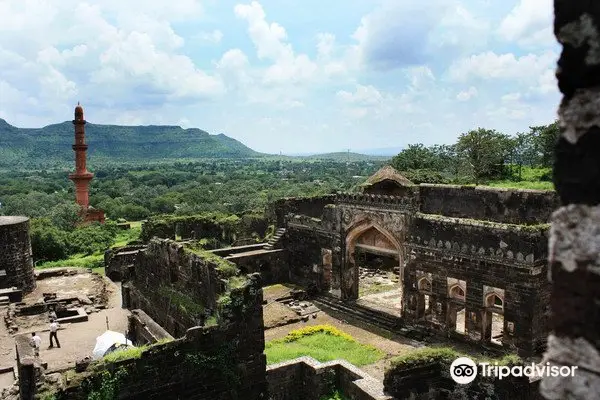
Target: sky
{"type": "Point", "coordinates": [290, 76]}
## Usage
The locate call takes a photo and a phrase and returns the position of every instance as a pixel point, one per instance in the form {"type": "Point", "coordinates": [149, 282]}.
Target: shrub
{"type": "Point", "coordinates": [311, 330]}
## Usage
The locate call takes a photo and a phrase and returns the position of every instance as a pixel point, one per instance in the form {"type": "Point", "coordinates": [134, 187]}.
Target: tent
{"type": "Point", "coordinates": [108, 342]}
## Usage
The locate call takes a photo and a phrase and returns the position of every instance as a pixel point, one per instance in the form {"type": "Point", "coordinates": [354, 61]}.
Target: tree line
{"type": "Point", "coordinates": [479, 156]}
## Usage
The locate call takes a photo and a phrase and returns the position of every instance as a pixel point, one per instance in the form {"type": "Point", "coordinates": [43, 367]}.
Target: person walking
{"type": "Point", "coordinates": [53, 336]}
{"type": "Point", "coordinates": [36, 342]}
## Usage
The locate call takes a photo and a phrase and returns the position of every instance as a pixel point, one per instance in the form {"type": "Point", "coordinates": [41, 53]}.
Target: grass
{"type": "Point", "coordinates": [539, 185]}
{"type": "Point", "coordinates": [95, 261]}
{"type": "Point", "coordinates": [130, 352]}
{"type": "Point", "coordinates": [531, 178]}
{"type": "Point", "coordinates": [375, 288]}
{"type": "Point", "coordinates": [323, 343]}
{"type": "Point", "coordinates": [126, 236]}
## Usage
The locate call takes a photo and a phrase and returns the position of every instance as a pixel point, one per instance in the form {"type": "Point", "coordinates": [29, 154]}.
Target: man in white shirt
{"type": "Point", "coordinates": [53, 329]}
{"type": "Point", "coordinates": [36, 342]}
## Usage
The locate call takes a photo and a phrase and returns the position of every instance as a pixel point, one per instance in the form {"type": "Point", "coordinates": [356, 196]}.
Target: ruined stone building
{"type": "Point", "coordinates": [466, 258]}
{"type": "Point", "coordinates": [16, 262]}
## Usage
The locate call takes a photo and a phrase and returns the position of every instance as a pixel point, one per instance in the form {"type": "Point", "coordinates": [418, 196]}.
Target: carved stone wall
{"type": "Point", "coordinates": [509, 206]}
{"type": "Point", "coordinates": [511, 258]}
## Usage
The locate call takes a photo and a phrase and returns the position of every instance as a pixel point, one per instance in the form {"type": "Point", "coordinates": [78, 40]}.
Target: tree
{"type": "Point", "coordinates": [485, 151]}
{"type": "Point", "coordinates": [48, 242]}
{"type": "Point", "coordinates": [66, 216]}
{"type": "Point", "coordinates": [416, 156]}
{"type": "Point", "coordinates": [544, 139]}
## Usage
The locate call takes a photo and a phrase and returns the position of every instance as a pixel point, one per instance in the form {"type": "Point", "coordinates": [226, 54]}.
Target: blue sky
{"type": "Point", "coordinates": [282, 75]}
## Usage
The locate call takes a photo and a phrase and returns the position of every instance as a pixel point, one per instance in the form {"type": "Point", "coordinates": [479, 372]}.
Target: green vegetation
{"type": "Point", "coordinates": [323, 343]}
{"type": "Point", "coordinates": [484, 156]}
{"type": "Point", "coordinates": [225, 267]}
{"type": "Point", "coordinates": [185, 303]}
{"type": "Point", "coordinates": [112, 142]}
{"type": "Point", "coordinates": [221, 360]}
{"type": "Point", "coordinates": [336, 395]}
{"type": "Point", "coordinates": [94, 262]}
{"type": "Point", "coordinates": [444, 355]}
{"type": "Point", "coordinates": [107, 385]}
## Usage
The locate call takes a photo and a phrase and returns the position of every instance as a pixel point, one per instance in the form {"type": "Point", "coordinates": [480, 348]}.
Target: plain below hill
{"type": "Point", "coordinates": [52, 143]}
{"type": "Point", "coordinates": [341, 156]}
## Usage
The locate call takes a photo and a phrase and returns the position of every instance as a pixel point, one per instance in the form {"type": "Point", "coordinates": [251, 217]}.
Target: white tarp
{"type": "Point", "coordinates": [108, 340]}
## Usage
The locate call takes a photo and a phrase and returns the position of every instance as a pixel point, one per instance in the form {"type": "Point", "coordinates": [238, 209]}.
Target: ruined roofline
{"type": "Point", "coordinates": [534, 228]}
{"type": "Point", "coordinates": [485, 188]}
{"type": "Point", "coordinates": [387, 173]}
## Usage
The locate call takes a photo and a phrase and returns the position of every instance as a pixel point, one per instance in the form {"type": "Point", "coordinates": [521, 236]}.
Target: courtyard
{"type": "Point", "coordinates": [100, 300]}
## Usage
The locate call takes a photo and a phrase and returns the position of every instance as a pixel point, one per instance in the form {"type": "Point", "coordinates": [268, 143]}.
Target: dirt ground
{"type": "Point", "coordinates": [77, 339]}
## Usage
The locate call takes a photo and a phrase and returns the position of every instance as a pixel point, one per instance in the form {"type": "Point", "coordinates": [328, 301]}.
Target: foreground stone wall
{"type": "Point", "coordinates": [508, 206]}
{"type": "Point", "coordinates": [28, 367]}
{"type": "Point", "coordinates": [224, 362]}
{"type": "Point", "coordinates": [305, 378]}
{"type": "Point", "coordinates": [575, 234]}
{"type": "Point", "coordinates": [431, 380]}
{"type": "Point", "coordinates": [16, 263]}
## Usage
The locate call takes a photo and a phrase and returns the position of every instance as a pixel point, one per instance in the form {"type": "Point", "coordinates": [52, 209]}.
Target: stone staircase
{"type": "Point", "coordinates": [351, 309]}
{"type": "Point", "coordinates": [270, 245]}
{"type": "Point", "coordinates": [4, 301]}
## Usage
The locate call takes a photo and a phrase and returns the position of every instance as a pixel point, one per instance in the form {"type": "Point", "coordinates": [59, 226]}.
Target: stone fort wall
{"type": "Point", "coordinates": [16, 263]}
{"type": "Point", "coordinates": [493, 241]}
{"type": "Point", "coordinates": [221, 360]}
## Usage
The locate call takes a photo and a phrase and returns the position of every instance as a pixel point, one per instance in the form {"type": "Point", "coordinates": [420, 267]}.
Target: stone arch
{"type": "Point", "coordinates": [456, 291]}
{"type": "Point", "coordinates": [424, 284]}
{"type": "Point", "coordinates": [494, 300]}
{"type": "Point", "coordinates": [350, 272]}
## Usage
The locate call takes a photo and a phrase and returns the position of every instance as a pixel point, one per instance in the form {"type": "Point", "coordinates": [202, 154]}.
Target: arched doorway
{"type": "Point", "coordinates": [373, 268]}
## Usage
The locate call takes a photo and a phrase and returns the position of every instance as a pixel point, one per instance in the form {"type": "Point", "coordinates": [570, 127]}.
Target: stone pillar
{"type": "Point", "coordinates": [574, 245]}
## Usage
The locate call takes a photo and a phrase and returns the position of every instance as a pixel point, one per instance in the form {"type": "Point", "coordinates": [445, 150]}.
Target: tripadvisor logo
{"type": "Point", "coordinates": [463, 370]}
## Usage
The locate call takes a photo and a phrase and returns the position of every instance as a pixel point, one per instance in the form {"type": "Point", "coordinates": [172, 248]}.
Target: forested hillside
{"type": "Point", "coordinates": [51, 145]}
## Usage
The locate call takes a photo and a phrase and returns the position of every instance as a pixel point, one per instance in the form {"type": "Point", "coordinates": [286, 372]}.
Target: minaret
{"type": "Point", "coordinates": [81, 177]}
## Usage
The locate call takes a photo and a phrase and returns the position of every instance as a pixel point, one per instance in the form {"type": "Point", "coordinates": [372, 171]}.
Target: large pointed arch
{"type": "Point", "coordinates": [350, 272]}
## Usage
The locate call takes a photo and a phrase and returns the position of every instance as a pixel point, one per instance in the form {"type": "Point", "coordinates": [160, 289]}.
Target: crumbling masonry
{"type": "Point", "coordinates": [481, 252]}
{"type": "Point", "coordinates": [575, 235]}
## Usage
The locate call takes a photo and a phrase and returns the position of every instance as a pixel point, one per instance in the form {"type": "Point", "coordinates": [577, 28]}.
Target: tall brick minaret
{"type": "Point", "coordinates": [81, 177]}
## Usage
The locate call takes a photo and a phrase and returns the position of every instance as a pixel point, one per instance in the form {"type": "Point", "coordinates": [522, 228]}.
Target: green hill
{"type": "Point", "coordinates": [114, 143]}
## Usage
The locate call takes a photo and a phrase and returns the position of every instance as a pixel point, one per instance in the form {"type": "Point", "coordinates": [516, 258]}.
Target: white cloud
{"type": "Point", "coordinates": [405, 75]}
{"type": "Point", "coordinates": [467, 94]}
{"type": "Point", "coordinates": [490, 65]}
{"type": "Point", "coordinates": [529, 23]}
{"type": "Point", "coordinates": [364, 96]}
{"type": "Point", "coordinates": [401, 33]}
{"type": "Point", "coordinates": [213, 37]}
{"type": "Point", "coordinates": [270, 40]}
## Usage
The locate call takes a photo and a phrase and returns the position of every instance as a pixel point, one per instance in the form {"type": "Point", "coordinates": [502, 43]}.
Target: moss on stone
{"type": "Point", "coordinates": [184, 302]}
{"type": "Point", "coordinates": [445, 355]}
{"type": "Point", "coordinates": [532, 228]}
{"type": "Point", "coordinates": [225, 267]}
